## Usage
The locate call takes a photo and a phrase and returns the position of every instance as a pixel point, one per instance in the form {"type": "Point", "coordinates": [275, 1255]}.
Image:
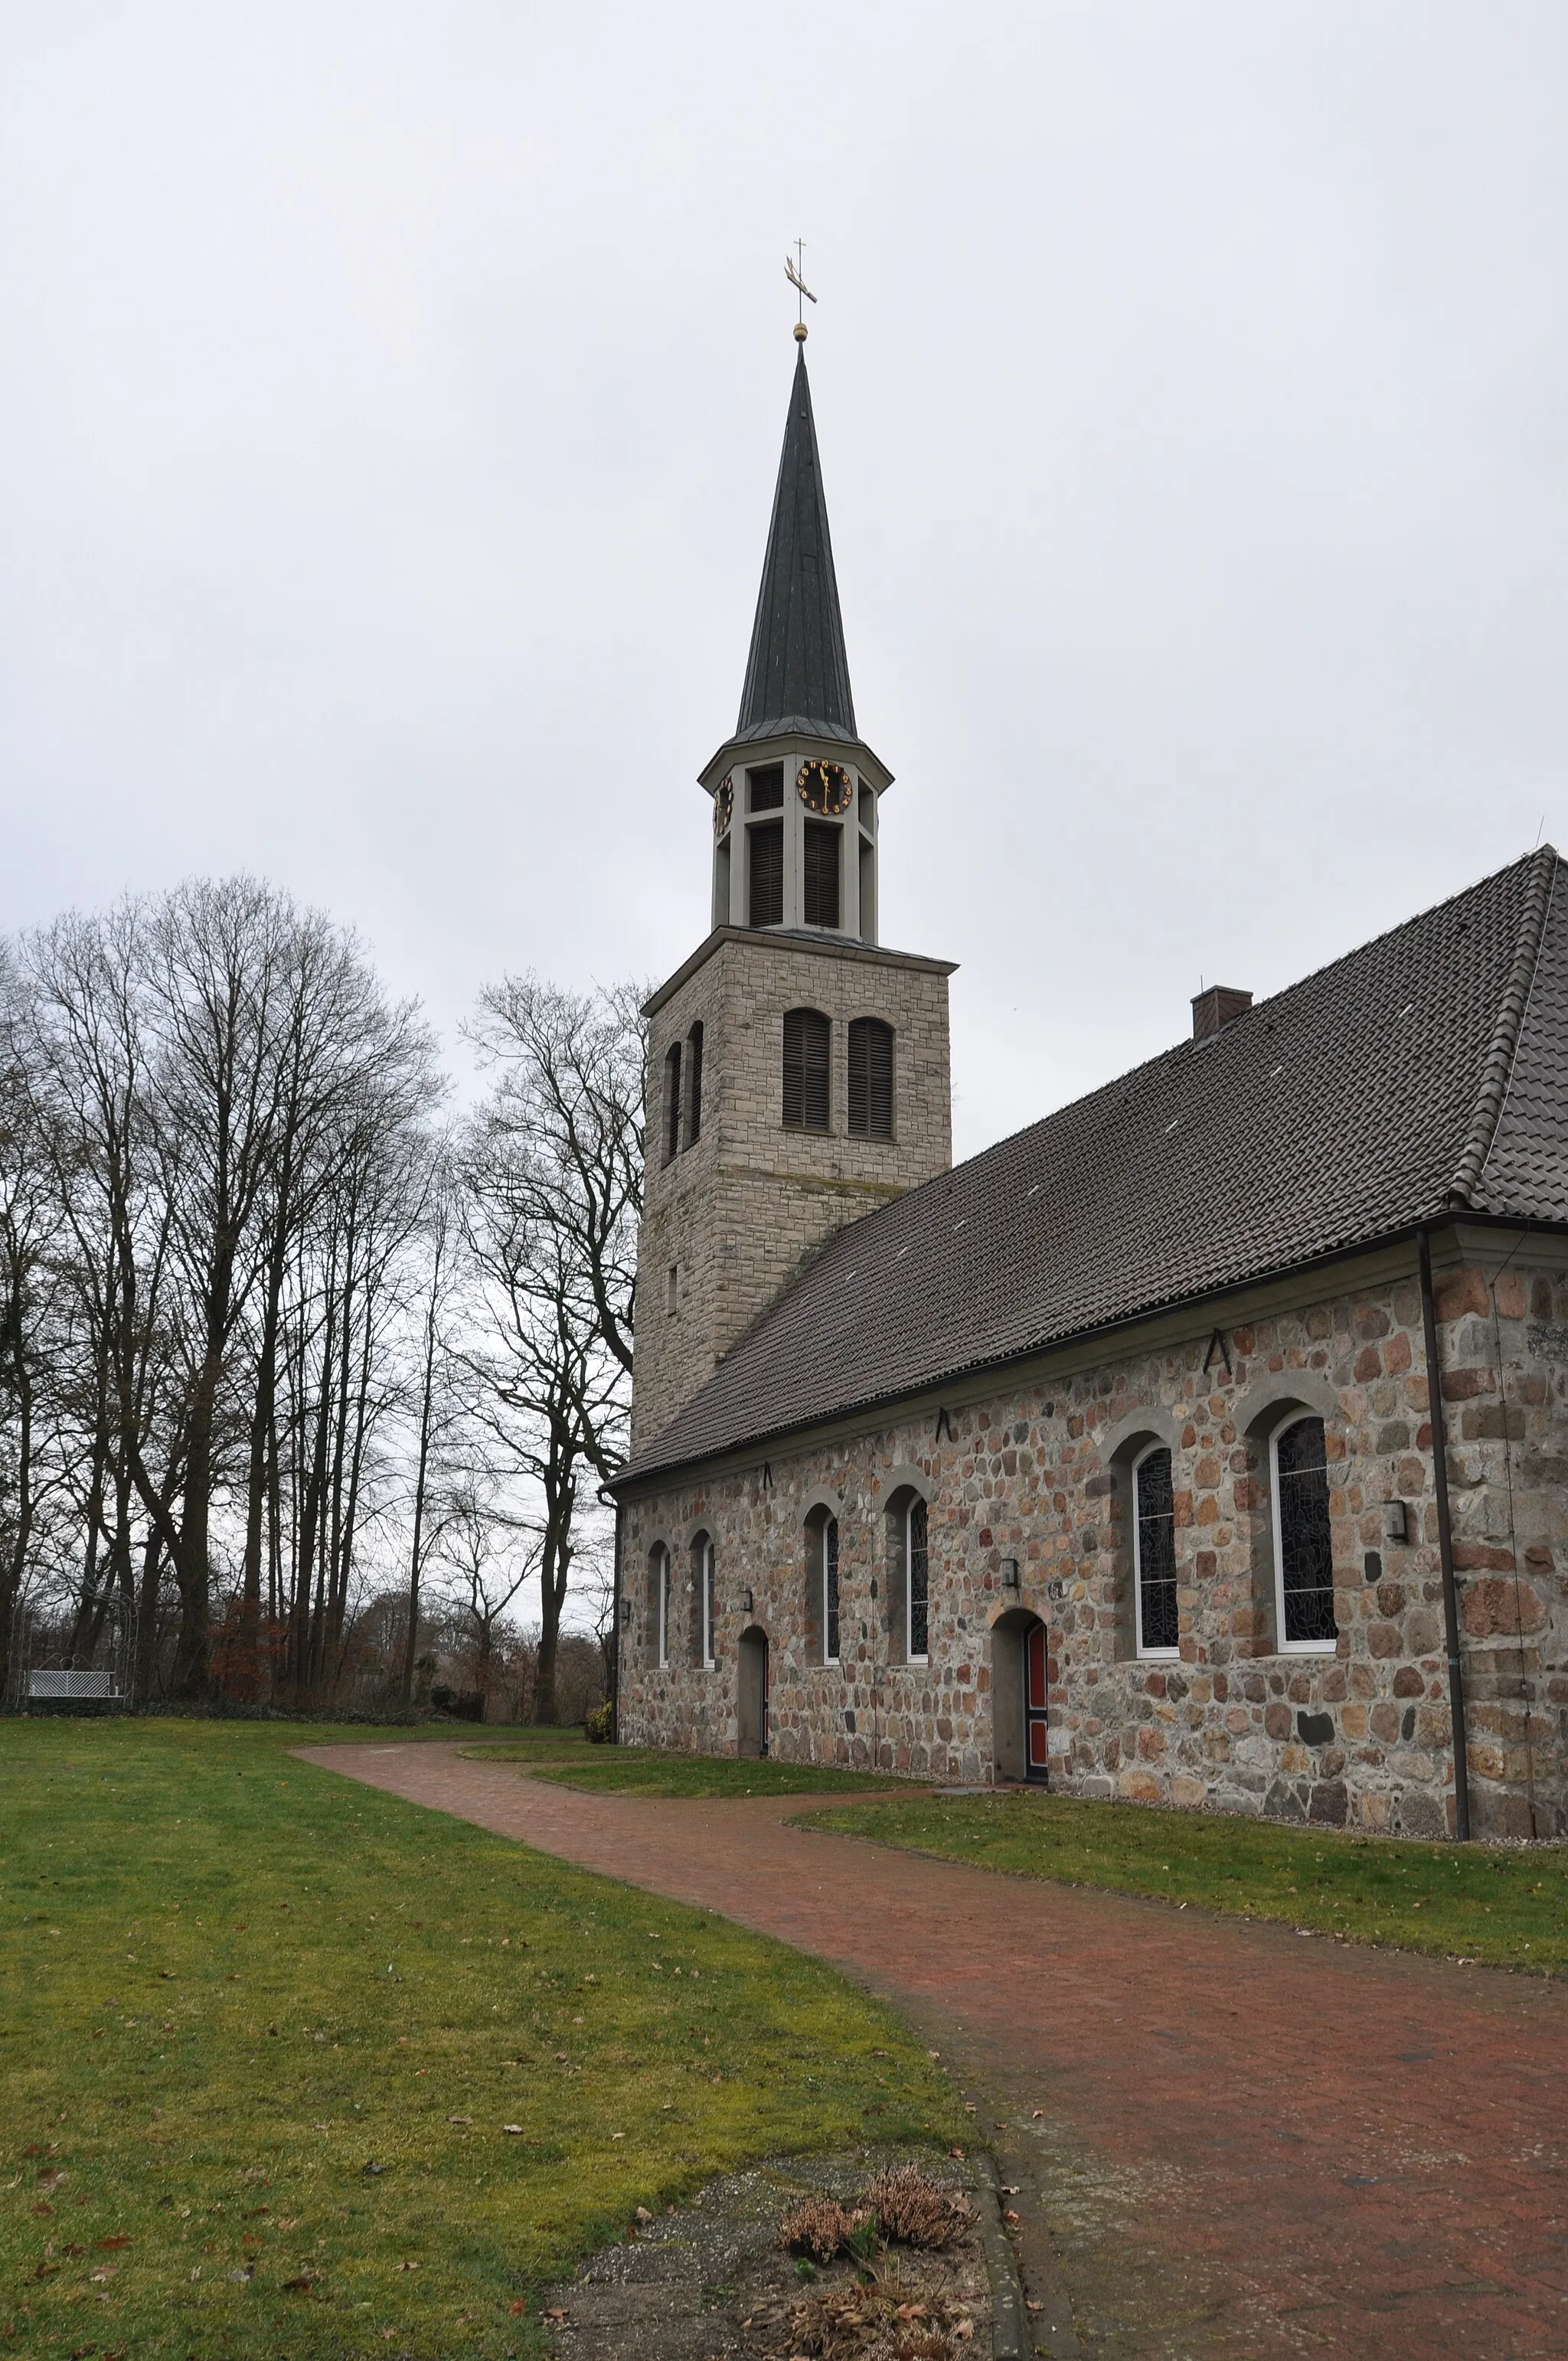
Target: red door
{"type": "Point", "coordinates": [1035, 1703]}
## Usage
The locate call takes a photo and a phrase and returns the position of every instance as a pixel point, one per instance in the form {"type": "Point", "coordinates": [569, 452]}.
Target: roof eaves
{"type": "Point", "coordinates": [1498, 1071]}
{"type": "Point", "coordinates": [886, 1398]}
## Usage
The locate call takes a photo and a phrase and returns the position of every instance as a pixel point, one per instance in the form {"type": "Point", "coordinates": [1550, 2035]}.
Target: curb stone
{"type": "Point", "coordinates": [1008, 2317]}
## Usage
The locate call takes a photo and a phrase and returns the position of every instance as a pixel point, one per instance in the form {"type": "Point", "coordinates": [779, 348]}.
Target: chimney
{"type": "Point", "coordinates": [1213, 1009]}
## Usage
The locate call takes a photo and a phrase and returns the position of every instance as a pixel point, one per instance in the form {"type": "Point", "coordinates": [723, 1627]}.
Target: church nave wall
{"type": "Point", "coordinates": [1039, 1475]}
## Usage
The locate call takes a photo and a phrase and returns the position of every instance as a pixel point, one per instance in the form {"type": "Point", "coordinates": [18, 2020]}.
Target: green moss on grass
{"type": "Point", "coordinates": [260, 2025]}
{"type": "Point", "coordinates": [1506, 1906]}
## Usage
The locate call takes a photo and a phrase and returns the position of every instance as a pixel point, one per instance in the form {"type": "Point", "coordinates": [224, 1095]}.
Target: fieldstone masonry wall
{"type": "Point", "coordinates": [738, 1212]}
{"type": "Point", "coordinates": [1359, 1736]}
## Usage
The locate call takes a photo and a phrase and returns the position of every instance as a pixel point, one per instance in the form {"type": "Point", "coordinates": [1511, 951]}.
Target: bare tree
{"type": "Point", "coordinates": [490, 1556]}
{"type": "Point", "coordinates": [552, 1174]}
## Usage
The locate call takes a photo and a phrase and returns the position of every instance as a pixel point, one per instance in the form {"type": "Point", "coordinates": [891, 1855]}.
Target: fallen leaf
{"type": "Point", "coordinates": [644, 2215]}
{"type": "Point", "coordinates": [517, 2306]}
{"type": "Point", "coordinates": [122, 2238]}
{"type": "Point", "coordinates": [516, 2129]}
{"type": "Point", "coordinates": [459, 2119]}
{"type": "Point", "coordinates": [299, 2285]}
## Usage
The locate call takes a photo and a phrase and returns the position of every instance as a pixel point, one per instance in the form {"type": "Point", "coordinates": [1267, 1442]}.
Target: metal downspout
{"type": "Point", "coordinates": [615, 1640]}
{"type": "Point", "coordinates": [1445, 1548]}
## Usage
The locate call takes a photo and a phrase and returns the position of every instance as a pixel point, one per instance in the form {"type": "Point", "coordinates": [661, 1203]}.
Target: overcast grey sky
{"type": "Point", "coordinates": [392, 395]}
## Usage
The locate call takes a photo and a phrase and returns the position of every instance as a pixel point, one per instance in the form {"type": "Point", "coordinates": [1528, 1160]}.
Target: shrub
{"type": "Point", "coordinates": [819, 2225]}
{"type": "Point", "coordinates": [598, 1727]}
{"type": "Point", "coordinates": [915, 2211]}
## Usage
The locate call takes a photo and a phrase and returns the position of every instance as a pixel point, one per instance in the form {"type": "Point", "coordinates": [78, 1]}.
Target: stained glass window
{"type": "Point", "coordinates": [919, 1591]}
{"type": "Point", "coordinates": [1306, 1553]}
{"type": "Point", "coordinates": [1155, 1549]}
{"type": "Point", "coordinates": [831, 1591]}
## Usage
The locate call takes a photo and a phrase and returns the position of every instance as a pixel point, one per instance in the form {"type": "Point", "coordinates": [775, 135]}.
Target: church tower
{"type": "Point", "coordinates": [798, 1071]}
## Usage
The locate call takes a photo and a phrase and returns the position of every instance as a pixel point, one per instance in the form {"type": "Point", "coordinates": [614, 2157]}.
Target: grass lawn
{"type": "Point", "coordinates": [290, 2069]}
{"type": "Point", "coordinates": [648, 1771]}
{"type": "Point", "coordinates": [1505, 1907]}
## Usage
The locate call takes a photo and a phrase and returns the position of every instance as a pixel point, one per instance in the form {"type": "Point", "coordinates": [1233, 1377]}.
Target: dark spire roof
{"type": "Point", "coordinates": [797, 671]}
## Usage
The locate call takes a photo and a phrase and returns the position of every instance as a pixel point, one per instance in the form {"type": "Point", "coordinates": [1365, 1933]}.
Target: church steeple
{"type": "Point", "coordinates": [797, 676]}
{"type": "Point", "coordinates": [797, 1073]}
{"type": "Point", "coordinates": [795, 791]}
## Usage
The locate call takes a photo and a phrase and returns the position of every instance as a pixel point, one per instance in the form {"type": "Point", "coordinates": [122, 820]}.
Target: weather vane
{"type": "Point", "coordinates": [803, 295]}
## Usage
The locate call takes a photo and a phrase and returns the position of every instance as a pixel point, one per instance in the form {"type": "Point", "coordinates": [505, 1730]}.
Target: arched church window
{"type": "Point", "coordinates": [831, 1591]}
{"type": "Point", "coordinates": [693, 1085]}
{"type": "Point", "coordinates": [917, 1578]}
{"type": "Point", "coordinates": [1303, 1546]}
{"type": "Point", "coordinates": [672, 1100]}
{"type": "Point", "coordinates": [1154, 1553]}
{"type": "Point", "coordinates": [702, 1601]}
{"type": "Point", "coordinates": [870, 1078]}
{"type": "Point", "coordinates": [659, 1603]}
{"type": "Point", "coordinates": [807, 1043]}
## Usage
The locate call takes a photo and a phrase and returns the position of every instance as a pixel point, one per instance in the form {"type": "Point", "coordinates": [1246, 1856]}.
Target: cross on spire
{"type": "Point", "coordinates": [803, 295]}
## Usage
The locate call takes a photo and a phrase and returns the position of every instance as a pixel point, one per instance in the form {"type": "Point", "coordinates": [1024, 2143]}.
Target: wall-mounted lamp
{"type": "Point", "coordinates": [746, 1608]}
{"type": "Point", "coordinates": [1394, 1526]}
{"type": "Point", "coordinates": [1009, 1574]}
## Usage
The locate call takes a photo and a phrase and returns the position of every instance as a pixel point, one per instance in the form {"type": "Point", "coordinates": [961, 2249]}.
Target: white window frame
{"type": "Point", "coordinates": [1283, 1646]}
{"type": "Point", "coordinates": [664, 1608]}
{"type": "Point", "coordinates": [705, 1590]}
{"type": "Point", "coordinates": [909, 1655]}
{"type": "Point", "coordinates": [828, 1659]}
{"type": "Point", "coordinates": [1149, 1655]}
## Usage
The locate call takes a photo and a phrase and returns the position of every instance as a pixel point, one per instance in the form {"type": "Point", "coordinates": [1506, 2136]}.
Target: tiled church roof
{"type": "Point", "coordinates": [1423, 1073]}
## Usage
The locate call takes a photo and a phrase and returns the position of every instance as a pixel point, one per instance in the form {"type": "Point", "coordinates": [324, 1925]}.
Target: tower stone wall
{"type": "Point", "coordinates": [732, 1216]}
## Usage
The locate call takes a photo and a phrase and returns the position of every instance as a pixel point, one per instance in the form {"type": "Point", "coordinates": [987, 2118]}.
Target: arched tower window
{"type": "Point", "coordinates": [1154, 1554]}
{"type": "Point", "coordinates": [1303, 1545]}
{"type": "Point", "coordinates": [870, 1078]}
{"type": "Point", "coordinates": [693, 1085]}
{"type": "Point", "coordinates": [807, 1038]}
{"type": "Point", "coordinates": [672, 1100]}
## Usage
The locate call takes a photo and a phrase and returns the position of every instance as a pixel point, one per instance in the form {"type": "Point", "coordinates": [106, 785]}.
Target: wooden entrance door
{"type": "Point", "coordinates": [1035, 1704]}
{"type": "Point", "coordinates": [753, 1699]}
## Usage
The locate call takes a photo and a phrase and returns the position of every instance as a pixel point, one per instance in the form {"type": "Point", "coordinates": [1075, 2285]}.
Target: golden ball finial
{"type": "Point", "coordinates": [800, 331]}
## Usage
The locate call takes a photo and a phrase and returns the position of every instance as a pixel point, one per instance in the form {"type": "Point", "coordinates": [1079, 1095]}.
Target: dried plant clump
{"type": "Point", "coordinates": [915, 2211]}
{"type": "Point", "coordinates": [820, 2226]}
{"type": "Point", "coordinates": [880, 2322]}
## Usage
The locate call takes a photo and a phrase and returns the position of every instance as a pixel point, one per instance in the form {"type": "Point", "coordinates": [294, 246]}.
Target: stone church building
{"type": "Point", "coordinates": [1113, 1457]}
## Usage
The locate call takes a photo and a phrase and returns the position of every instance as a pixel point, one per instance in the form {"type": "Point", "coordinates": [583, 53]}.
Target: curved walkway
{"type": "Point", "coordinates": [1229, 2143]}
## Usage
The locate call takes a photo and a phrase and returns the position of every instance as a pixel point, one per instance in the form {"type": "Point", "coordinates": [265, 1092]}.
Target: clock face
{"type": "Point", "coordinates": [723, 806]}
{"type": "Point", "coordinates": [824, 788]}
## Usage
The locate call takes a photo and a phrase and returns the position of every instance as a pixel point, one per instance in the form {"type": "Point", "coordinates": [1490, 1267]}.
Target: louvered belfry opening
{"type": "Point", "coordinates": [766, 788]}
{"type": "Point", "coordinates": [766, 899]}
{"type": "Point", "coordinates": [806, 1041]}
{"type": "Point", "coordinates": [823, 840]}
{"type": "Point", "coordinates": [870, 1078]}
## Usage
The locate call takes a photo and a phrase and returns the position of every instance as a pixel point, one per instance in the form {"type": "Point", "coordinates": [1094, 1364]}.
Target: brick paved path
{"type": "Point", "coordinates": [1250, 2145]}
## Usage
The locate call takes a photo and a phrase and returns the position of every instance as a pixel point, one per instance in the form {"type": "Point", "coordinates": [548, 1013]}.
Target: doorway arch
{"type": "Point", "coordinates": [752, 1699]}
{"type": "Point", "coordinates": [1018, 1677]}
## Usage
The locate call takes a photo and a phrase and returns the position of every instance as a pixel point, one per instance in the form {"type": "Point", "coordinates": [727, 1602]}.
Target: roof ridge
{"type": "Point", "coordinates": [1497, 1073]}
